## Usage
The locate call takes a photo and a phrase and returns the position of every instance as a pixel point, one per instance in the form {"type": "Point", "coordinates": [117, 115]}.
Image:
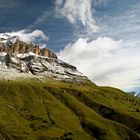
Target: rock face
{"type": "Point", "coordinates": [20, 58]}
{"type": "Point", "coordinates": [12, 61]}
{"type": "Point", "coordinates": [20, 47]}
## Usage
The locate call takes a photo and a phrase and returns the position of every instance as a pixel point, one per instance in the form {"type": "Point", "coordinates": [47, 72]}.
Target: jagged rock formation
{"type": "Point", "coordinates": [20, 57]}
{"type": "Point", "coordinates": [23, 47]}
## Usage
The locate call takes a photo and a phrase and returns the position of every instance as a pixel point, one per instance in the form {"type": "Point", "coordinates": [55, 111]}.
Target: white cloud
{"type": "Point", "coordinates": [59, 2]}
{"type": "Point", "coordinates": [104, 60]}
{"type": "Point", "coordinates": [42, 18]}
{"type": "Point", "coordinates": [27, 36]}
{"type": "Point", "coordinates": [76, 11]}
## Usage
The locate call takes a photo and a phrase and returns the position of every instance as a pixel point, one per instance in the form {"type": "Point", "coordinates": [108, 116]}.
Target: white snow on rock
{"type": "Point", "coordinates": [24, 65]}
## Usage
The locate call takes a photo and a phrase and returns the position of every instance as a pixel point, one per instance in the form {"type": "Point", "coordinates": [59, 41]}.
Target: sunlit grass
{"type": "Point", "coordinates": [35, 109]}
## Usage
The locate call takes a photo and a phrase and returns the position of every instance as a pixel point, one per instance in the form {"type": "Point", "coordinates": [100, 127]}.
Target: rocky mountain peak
{"type": "Point", "coordinates": [20, 47]}
{"type": "Point", "coordinates": [26, 59]}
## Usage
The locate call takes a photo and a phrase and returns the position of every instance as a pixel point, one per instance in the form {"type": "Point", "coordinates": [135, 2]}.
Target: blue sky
{"type": "Point", "coordinates": [109, 30]}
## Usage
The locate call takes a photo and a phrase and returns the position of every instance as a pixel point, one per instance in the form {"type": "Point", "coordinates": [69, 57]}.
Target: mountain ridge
{"type": "Point", "coordinates": [26, 57]}
{"type": "Point", "coordinates": [17, 46]}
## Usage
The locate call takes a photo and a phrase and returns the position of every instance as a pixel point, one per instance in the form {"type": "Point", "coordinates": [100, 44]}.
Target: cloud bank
{"type": "Point", "coordinates": [27, 36]}
{"type": "Point", "coordinates": [77, 11]}
{"type": "Point", "coordinates": [104, 60]}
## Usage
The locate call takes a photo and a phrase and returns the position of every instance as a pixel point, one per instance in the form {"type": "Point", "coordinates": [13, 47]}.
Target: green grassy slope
{"type": "Point", "coordinates": [54, 110]}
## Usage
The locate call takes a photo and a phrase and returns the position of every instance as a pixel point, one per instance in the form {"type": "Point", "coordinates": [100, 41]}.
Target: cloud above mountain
{"type": "Point", "coordinates": [104, 60]}
{"type": "Point", "coordinates": [77, 11]}
{"type": "Point", "coordinates": [26, 35]}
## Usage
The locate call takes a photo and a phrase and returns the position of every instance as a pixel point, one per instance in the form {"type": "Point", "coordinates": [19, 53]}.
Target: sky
{"type": "Point", "coordinates": [99, 37]}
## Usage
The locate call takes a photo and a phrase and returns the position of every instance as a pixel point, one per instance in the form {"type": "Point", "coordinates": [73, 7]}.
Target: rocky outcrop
{"type": "Point", "coordinates": [12, 61]}
{"type": "Point", "coordinates": [39, 66]}
{"type": "Point", "coordinates": [1, 48]}
{"type": "Point", "coordinates": [48, 53]}
{"type": "Point", "coordinates": [16, 60]}
{"type": "Point", "coordinates": [20, 47]}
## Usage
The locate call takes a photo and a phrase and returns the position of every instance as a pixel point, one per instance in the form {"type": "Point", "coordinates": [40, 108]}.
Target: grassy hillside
{"type": "Point", "coordinates": [53, 110]}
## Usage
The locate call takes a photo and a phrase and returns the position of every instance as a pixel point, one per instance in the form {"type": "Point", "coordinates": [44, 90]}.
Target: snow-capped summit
{"type": "Point", "coordinates": [4, 38]}
{"type": "Point", "coordinates": [24, 59]}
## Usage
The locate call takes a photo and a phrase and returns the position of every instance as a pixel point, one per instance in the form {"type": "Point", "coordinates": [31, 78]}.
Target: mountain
{"type": "Point", "coordinates": [135, 92]}
{"type": "Point", "coordinates": [138, 95]}
{"type": "Point", "coordinates": [44, 98]}
{"type": "Point", "coordinates": [21, 59]}
{"type": "Point", "coordinates": [34, 109]}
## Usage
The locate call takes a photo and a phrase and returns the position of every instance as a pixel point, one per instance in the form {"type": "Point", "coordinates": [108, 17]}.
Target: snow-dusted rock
{"type": "Point", "coordinates": [39, 66]}
{"type": "Point", "coordinates": [16, 61]}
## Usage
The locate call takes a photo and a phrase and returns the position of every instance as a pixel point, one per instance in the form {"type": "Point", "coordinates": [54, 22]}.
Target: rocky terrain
{"type": "Point", "coordinates": [16, 46]}
{"type": "Point", "coordinates": [21, 59]}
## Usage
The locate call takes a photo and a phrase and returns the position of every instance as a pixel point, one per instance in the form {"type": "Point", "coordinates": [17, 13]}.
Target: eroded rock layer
{"type": "Point", "coordinates": [23, 59]}
{"type": "Point", "coordinates": [19, 47]}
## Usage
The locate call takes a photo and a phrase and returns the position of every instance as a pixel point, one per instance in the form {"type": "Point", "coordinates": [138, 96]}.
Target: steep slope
{"type": "Point", "coordinates": [33, 109]}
